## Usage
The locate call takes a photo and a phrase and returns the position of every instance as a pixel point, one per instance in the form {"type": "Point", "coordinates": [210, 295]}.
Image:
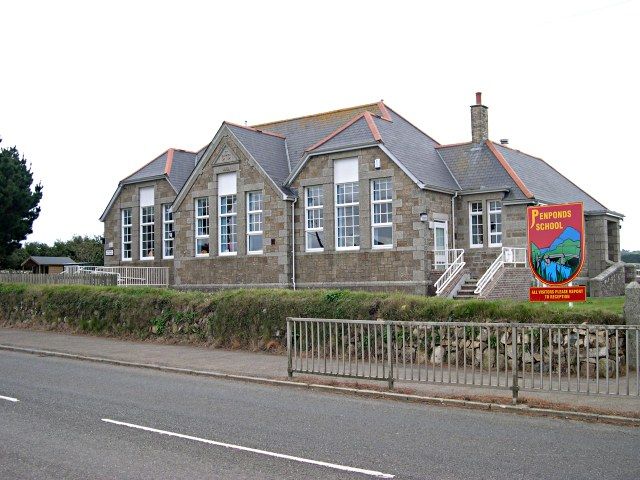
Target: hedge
{"type": "Point", "coordinates": [243, 318]}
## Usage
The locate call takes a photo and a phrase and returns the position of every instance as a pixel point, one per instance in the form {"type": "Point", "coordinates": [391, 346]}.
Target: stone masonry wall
{"type": "Point", "coordinates": [512, 283]}
{"type": "Point", "coordinates": [406, 266]}
{"type": "Point", "coordinates": [130, 198]}
{"type": "Point", "coordinates": [269, 269]}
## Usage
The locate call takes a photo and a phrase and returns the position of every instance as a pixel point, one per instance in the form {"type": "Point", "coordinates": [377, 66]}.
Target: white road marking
{"type": "Point", "coordinates": [10, 399]}
{"type": "Point", "coordinates": [371, 473]}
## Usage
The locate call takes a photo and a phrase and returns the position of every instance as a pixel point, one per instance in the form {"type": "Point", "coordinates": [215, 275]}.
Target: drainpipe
{"type": "Point", "coordinates": [453, 220]}
{"type": "Point", "coordinates": [293, 243]}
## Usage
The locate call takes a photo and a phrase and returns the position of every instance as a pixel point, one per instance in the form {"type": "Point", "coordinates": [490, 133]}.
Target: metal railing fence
{"type": "Point", "coordinates": [512, 256]}
{"type": "Point", "coordinates": [454, 262]}
{"type": "Point", "coordinates": [569, 358]}
{"type": "Point", "coordinates": [127, 276]}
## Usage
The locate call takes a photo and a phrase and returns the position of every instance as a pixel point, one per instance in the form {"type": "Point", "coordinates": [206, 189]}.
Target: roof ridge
{"type": "Point", "coordinates": [453, 145]}
{"type": "Point", "coordinates": [317, 114]}
{"type": "Point", "coordinates": [253, 129]}
{"type": "Point", "coordinates": [169, 163]}
{"type": "Point", "coordinates": [557, 171]}
{"type": "Point", "coordinates": [367, 115]}
{"type": "Point", "coordinates": [512, 173]}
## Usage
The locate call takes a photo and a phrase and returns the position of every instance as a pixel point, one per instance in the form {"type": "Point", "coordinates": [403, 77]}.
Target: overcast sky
{"type": "Point", "coordinates": [90, 91]}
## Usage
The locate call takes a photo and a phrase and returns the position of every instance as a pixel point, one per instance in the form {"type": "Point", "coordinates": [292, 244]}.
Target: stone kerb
{"type": "Point", "coordinates": [632, 315]}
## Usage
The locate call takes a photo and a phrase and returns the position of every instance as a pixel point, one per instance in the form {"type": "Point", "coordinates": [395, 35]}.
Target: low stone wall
{"type": "Point", "coordinates": [632, 315]}
{"type": "Point", "coordinates": [106, 279]}
{"type": "Point", "coordinates": [609, 283]}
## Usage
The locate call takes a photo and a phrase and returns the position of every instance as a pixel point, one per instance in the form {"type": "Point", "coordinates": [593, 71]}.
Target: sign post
{"type": "Point", "coordinates": [555, 245]}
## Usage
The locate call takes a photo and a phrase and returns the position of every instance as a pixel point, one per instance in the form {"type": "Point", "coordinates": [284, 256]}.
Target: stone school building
{"type": "Point", "coordinates": [355, 198]}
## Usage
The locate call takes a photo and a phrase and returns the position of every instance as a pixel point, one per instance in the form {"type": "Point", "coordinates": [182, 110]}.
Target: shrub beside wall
{"type": "Point", "coordinates": [242, 318]}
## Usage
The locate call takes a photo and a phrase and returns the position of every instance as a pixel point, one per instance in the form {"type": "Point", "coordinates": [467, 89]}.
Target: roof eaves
{"type": "Point", "coordinates": [508, 169]}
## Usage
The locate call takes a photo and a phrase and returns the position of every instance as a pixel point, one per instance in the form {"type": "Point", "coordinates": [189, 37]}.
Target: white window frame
{"type": "Point", "coordinates": [375, 225]}
{"type": "Point", "coordinates": [313, 208]}
{"type": "Point", "coordinates": [495, 211]}
{"type": "Point", "coordinates": [472, 215]}
{"type": "Point", "coordinates": [151, 224]}
{"type": "Point", "coordinates": [167, 231]}
{"type": "Point", "coordinates": [199, 236]}
{"type": "Point", "coordinates": [346, 205]}
{"type": "Point", "coordinates": [250, 212]}
{"type": "Point", "coordinates": [127, 232]}
{"type": "Point", "coordinates": [233, 215]}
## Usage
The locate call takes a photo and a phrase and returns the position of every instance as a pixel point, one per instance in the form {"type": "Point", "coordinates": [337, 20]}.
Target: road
{"type": "Point", "coordinates": [65, 425]}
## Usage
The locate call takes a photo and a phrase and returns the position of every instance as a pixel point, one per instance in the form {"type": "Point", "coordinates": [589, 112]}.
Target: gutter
{"type": "Point", "coordinates": [293, 243]}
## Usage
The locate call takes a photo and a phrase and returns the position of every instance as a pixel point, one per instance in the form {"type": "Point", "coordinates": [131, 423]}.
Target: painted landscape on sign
{"type": "Point", "coordinates": [560, 260]}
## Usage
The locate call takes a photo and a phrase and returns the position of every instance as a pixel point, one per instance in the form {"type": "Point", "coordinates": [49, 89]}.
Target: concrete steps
{"type": "Point", "coordinates": [466, 291]}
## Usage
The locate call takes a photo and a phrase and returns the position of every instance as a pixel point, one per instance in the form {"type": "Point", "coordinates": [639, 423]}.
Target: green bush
{"type": "Point", "coordinates": [246, 318]}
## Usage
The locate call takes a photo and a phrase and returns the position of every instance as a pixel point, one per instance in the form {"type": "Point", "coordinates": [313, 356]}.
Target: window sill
{"type": "Point", "coordinates": [314, 250]}
{"type": "Point", "coordinates": [167, 258]}
{"type": "Point", "coordinates": [476, 246]}
{"type": "Point", "coordinates": [259, 252]}
{"type": "Point", "coordinates": [202, 255]}
{"type": "Point", "coordinates": [382, 247]}
{"type": "Point", "coordinates": [146, 259]}
{"type": "Point", "coordinates": [227, 254]}
{"type": "Point", "coordinates": [347, 249]}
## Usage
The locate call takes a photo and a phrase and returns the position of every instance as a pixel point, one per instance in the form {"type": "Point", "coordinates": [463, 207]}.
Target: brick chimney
{"type": "Point", "coordinates": [479, 121]}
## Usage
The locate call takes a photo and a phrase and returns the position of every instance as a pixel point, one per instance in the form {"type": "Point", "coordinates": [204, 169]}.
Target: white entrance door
{"type": "Point", "coordinates": [441, 244]}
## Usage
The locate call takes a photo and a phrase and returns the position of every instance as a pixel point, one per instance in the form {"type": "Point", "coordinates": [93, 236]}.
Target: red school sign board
{"type": "Point", "coordinates": [555, 244]}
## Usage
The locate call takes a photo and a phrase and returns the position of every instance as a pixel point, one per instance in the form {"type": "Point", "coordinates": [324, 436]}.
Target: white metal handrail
{"type": "Point", "coordinates": [451, 271]}
{"type": "Point", "coordinates": [152, 276]}
{"type": "Point", "coordinates": [509, 256]}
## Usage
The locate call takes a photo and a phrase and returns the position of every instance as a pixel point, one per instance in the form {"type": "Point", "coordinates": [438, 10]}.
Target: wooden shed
{"type": "Point", "coordinates": [52, 265]}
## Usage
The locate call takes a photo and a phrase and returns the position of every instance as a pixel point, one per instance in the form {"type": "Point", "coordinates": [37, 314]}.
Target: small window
{"type": "Point", "coordinates": [348, 216]}
{"type": "Point", "coordinates": [314, 219]}
{"type": "Point", "coordinates": [495, 224]}
{"type": "Point", "coordinates": [228, 225]}
{"type": "Point", "coordinates": [202, 226]}
{"type": "Point", "coordinates": [127, 224]}
{"type": "Point", "coordinates": [476, 225]}
{"type": "Point", "coordinates": [167, 232]}
{"type": "Point", "coordinates": [147, 232]}
{"type": "Point", "coordinates": [381, 213]}
{"type": "Point", "coordinates": [254, 222]}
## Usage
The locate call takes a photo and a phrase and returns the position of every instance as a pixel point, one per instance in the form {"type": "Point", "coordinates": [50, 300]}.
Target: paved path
{"type": "Point", "coordinates": [57, 430]}
{"type": "Point", "coordinates": [255, 364]}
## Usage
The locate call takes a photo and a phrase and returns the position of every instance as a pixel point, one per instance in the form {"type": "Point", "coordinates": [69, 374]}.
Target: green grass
{"type": "Point", "coordinates": [606, 304]}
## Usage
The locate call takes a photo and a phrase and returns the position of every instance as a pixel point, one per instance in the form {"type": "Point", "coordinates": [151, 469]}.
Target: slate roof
{"type": "Point", "coordinates": [476, 168]}
{"type": "Point", "coordinates": [176, 164]}
{"type": "Point", "coordinates": [51, 260]}
{"type": "Point", "coordinates": [281, 147]}
{"type": "Point", "coordinates": [268, 150]}
{"type": "Point", "coordinates": [546, 183]}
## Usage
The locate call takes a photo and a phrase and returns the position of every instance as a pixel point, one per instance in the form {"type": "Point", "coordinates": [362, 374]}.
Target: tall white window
{"type": "Point", "coordinates": [227, 214]}
{"type": "Point", "coordinates": [314, 218]}
{"type": "Point", "coordinates": [254, 222]}
{"type": "Point", "coordinates": [202, 226]}
{"type": "Point", "coordinates": [167, 231]}
{"type": "Point", "coordinates": [127, 225]}
{"type": "Point", "coordinates": [381, 213]}
{"type": "Point", "coordinates": [347, 190]}
{"type": "Point", "coordinates": [495, 224]}
{"type": "Point", "coordinates": [476, 225]}
{"type": "Point", "coordinates": [147, 224]}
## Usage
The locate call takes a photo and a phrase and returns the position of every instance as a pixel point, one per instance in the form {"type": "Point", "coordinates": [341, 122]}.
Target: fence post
{"type": "Point", "coordinates": [389, 356]}
{"type": "Point", "coordinates": [289, 363]}
{"type": "Point", "coordinates": [514, 363]}
{"type": "Point", "coordinates": [632, 317]}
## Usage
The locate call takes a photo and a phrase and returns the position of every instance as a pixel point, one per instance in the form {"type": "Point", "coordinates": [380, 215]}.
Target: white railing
{"type": "Point", "coordinates": [512, 256]}
{"type": "Point", "coordinates": [127, 276]}
{"type": "Point", "coordinates": [455, 260]}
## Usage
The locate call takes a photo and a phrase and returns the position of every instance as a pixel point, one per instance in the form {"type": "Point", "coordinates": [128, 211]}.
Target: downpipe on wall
{"type": "Point", "coordinates": [293, 243]}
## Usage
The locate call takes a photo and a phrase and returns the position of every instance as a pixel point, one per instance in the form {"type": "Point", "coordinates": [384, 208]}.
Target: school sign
{"type": "Point", "coordinates": [556, 252]}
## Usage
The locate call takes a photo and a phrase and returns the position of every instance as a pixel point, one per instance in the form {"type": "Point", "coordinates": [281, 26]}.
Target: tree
{"type": "Point", "coordinates": [18, 201]}
{"type": "Point", "coordinates": [630, 257]}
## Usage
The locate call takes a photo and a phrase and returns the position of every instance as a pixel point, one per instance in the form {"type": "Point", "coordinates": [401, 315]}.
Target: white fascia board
{"type": "Point", "coordinates": [103, 217]}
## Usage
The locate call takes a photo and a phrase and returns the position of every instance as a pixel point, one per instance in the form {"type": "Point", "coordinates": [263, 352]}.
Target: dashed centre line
{"type": "Point", "coordinates": [371, 473]}
{"type": "Point", "coordinates": [9, 399]}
